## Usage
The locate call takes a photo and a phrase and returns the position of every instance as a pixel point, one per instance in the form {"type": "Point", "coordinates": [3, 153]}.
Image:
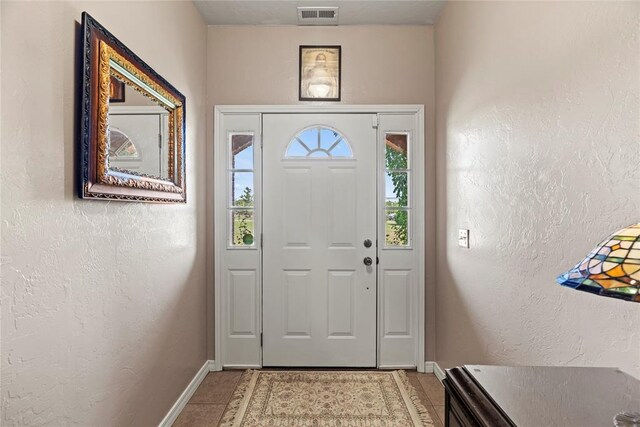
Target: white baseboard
{"type": "Point", "coordinates": [433, 367]}
{"type": "Point", "coordinates": [387, 367]}
{"type": "Point", "coordinates": [177, 407]}
{"type": "Point", "coordinates": [243, 367]}
{"type": "Point", "coordinates": [213, 367]}
{"type": "Point", "coordinates": [440, 373]}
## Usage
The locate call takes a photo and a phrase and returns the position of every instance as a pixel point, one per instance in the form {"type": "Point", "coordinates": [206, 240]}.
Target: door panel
{"type": "Point", "coordinates": [242, 295]}
{"type": "Point", "coordinates": [238, 272]}
{"type": "Point", "coordinates": [319, 298]}
{"type": "Point", "coordinates": [340, 307]}
{"type": "Point", "coordinates": [296, 218]}
{"type": "Point", "coordinates": [342, 198]}
{"type": "Point", "coordinates": [401, 231]}
{"type": "Point", "coordinates": [397, 303]}
{"type": "Point", "coordinates": [295, 303]}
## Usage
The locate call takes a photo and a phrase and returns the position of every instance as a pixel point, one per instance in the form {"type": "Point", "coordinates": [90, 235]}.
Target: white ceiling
{"type": "Point", "coordinates": [352, 12]}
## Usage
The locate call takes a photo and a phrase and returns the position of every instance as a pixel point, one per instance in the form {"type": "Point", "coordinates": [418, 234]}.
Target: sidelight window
{"type": "Point", "coordinates": [397, 202]}
{"type": "Point", "coordinates": [241, 190]}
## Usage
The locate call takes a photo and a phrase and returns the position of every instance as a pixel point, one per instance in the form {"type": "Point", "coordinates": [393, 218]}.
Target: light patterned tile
{"type": "Point", "coordinates": [440, 411]}
{"type": "Point", "coordinates": [433, 413]}
{"type": "Point", "coordinates": [217, 387]}
{"type": "Point", "coordinates": [415, 382]}
{"type": "Point", "coordinates": [433, 388]}
{"type": "Point", "coordinates": [200, 415]}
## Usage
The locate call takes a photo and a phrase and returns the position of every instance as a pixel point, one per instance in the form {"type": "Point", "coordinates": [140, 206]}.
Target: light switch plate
{"type": "Point", "coordinates": [463, 238]}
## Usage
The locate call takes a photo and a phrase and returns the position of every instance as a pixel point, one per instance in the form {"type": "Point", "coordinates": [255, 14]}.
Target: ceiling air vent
{"type": "Point", "coordinates": [317, 16]}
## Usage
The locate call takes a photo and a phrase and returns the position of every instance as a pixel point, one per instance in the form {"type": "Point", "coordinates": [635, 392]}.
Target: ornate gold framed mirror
{"type": "Point", "coordinates": [132, 125]}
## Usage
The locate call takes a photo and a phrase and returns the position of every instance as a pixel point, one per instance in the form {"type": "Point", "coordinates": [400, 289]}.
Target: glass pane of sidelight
{"type": "Point", "coordinates": [241, 151]}
{"type": "Point", "coordinates": [242, 229]}
{"type": "Point", "coordinates": [396, 227]}
{"type": "Point", "coordinates": [396, 189]}
{"type": "Point", "coordinates": [242, 189]}
{"type": "Point", "coordinates": [396, 151]}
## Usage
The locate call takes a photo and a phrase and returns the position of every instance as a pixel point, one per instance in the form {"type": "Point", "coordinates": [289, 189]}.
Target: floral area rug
{"type": "Point", "coordinates": [325, 399]}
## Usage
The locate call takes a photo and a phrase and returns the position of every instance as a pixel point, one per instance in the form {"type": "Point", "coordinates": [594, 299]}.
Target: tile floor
{"type": "Point", "coordinates": [210, 400]}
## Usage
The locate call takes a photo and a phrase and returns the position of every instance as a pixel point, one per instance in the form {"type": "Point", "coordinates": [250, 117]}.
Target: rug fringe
{"type": "Point", "coordinates": [229, 417]}
{"type": "Point", "coordinates": [423, 413]}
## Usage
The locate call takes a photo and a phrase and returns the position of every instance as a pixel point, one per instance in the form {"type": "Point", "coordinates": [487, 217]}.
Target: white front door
{"type": "Point", "coordinates": [319, 208]}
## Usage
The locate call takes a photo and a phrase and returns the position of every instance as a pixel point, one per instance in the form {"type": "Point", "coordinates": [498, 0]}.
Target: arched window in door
{"type": "Point", "coordinates": [319, 142]}
{"type": "Point", "coordinates": [121, 146]}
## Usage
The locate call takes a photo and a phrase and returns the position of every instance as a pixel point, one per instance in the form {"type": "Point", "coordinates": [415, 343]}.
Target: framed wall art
{"type": "Point", "coordinates": [320, 73]}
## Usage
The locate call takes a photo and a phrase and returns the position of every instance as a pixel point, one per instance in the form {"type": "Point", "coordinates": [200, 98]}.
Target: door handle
{"type": "Point", "coordinates": [368, 261]}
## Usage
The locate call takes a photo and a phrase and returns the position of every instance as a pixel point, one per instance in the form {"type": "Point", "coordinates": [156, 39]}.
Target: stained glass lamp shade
{"type": "Point", "coordinates": [612, 269]}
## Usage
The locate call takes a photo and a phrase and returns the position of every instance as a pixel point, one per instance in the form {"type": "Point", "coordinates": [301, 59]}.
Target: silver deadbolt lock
{"type": "Point", "coordinates": [367, 243]}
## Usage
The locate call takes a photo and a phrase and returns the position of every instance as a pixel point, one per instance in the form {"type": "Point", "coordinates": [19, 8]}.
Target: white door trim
{"type": "Point", "coordinates": [220, 210]}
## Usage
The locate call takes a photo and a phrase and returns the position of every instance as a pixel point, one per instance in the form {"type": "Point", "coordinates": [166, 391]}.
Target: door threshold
{"type": "Point", "coordinates": [332, 368]}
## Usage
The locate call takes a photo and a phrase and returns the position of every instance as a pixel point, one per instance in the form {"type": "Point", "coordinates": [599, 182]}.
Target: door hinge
{"type": "Point", "coordinates": [261, 341]}
{"type": "Point", "coordinates": [160, 140]}
{"type": "Point", "coordinates": [375, 122]}
{"type": "Point", "coordinates": [261, 240]}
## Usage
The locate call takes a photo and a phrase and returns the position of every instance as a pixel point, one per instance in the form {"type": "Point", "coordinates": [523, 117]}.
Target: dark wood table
{"type": "Point", "coordinates": [537, 396]}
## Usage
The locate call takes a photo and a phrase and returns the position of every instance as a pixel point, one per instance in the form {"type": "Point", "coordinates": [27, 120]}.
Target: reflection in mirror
{"type": "Point", "coordinates": [138, 133]}
{"type": "Point", "coordinates": [136, 113]}
{"type": "Point", "coordinates": [131, 125]}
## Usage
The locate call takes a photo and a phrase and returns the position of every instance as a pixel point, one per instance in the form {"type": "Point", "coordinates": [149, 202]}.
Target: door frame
{"type": "Point", "coordinates": [219, 162]}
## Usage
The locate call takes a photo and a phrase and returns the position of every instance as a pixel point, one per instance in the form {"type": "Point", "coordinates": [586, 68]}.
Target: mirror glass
{"type": "Point", "coordinates": [138, 131]}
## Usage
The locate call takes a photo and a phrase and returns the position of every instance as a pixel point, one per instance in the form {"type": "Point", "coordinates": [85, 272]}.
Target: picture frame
{"type": "Point", "coordinates": [116, 90]}
{"type": "Point", "coordinates": [103, 58]}
{"type": "Point", "coordinates": [320, 73]}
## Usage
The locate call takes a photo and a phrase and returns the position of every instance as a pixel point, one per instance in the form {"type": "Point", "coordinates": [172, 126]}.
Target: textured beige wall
{"type": "Point", "coordinates": [103, 303]}
{"type": "Point", "coordinates": [380, 65]}
{"type": "Point", "coordinates": [538, 152]}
